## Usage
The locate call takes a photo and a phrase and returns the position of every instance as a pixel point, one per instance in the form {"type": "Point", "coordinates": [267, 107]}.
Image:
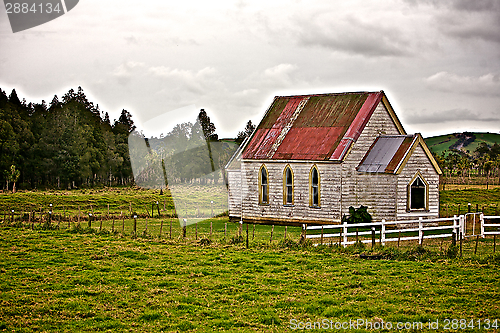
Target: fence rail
{"type": "Point", "coordinates": [490, 225]}
{"type": "Point", "coordinates": [386, 231]}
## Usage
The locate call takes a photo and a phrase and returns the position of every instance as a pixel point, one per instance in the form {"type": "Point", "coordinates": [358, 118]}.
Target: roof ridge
{"type": "Point", "coordinates": [334, 93]}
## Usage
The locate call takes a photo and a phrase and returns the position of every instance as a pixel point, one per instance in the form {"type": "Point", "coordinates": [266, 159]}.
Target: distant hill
{"type": "Point", "coordinates": [466, 142]}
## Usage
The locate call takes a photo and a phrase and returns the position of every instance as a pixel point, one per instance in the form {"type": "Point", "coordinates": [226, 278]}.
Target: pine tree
{"type": "Point", "coordinates": [207, 126]}
{"type": "Point", "coordinates": [249, 128]}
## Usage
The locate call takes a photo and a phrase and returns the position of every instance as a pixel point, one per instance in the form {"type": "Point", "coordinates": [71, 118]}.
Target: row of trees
{"type": "Point", "coordinates": [71, 143]}
{"type": "Point", "coordinates": [190, 152]}
{"type": "Point", "coordinates": [67, 143]}
{"type": "Point", "coordinates": [483, 162]}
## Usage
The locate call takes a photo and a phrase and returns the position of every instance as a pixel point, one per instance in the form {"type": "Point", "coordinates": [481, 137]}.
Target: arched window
{"type": "Point", "coordinates": [418, 193]}
{"type": "Point", "coordinates": [288, 186]}
{"type": "Point", "coordinates": [263, 186]}
{"type": "Point", "coordinates": [314, 187]}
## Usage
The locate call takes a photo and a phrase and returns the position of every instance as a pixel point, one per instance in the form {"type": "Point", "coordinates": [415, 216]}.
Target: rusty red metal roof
{"type": "Point", "coordinates": [312, 127]}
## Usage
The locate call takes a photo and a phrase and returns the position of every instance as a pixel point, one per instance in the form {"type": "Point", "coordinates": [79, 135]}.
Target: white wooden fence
{"type": "Point", "coordinates": [396, 231]}
{"type": "Point", "coordinates": [490, 226]}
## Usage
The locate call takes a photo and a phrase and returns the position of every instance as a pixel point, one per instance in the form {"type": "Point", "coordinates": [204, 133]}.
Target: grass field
{"type": "Point", "coordinates": [56, 280]}
{"type": "Point", "coordinates": [68, 278]}
{"type": "Point", "coordinates": [442, 143]}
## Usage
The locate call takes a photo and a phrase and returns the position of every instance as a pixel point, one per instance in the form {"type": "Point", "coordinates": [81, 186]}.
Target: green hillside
{"type": "Point", "coordinates": [466, 142]}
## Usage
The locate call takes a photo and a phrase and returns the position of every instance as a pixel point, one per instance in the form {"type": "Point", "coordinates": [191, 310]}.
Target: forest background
{"type": "Point", "coordinates": [71, 143]}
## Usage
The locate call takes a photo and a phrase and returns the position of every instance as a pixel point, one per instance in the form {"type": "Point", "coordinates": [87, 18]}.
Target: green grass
{"type": "Point", "coordinates": [64, 277]}
{"type": "Point", "coordinates": [442, 143]}
{"type": "Point", "coordinates": [55, 280]}
{"type": "Point", "coordinates": [450, 199]}
{"type": "Point", "coordinates": [488, 138]}
{"type": "Point", "coordinates": [118, 200]}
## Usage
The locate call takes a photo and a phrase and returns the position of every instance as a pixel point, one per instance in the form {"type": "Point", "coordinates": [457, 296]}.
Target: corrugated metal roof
{"type": "Point", "coordinates": [385, 153]}
{"type": "Point", "coordinates": [312, 127]}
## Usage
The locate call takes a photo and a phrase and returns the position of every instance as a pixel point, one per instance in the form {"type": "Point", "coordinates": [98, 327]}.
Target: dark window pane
{"type": "Point", "coordinates": [289, 194]}
{"type": "Point", "coordinates": [315, 196]}
{"type": "Point", "coordinates": [417, 194]}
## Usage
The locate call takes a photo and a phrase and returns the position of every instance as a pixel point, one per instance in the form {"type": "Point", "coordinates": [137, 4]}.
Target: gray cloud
{"type": "Point", "coordinates": [484, 85]}
{"type": "Point", "coordinates": [465, 19]}
{"type": "Point", "coordinates": [125, 71]}
{"type": "Point", "coordinates": [352, 35]}
{"type": "Point", "coordinates": [448, 116]}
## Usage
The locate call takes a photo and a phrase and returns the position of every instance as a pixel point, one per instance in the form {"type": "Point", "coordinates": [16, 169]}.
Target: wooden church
{"type": "Point", "coordinates": [314, 156]}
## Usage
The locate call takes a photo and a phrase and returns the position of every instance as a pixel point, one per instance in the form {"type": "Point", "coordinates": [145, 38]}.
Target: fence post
{"type": "Point", "coordinates": [494, 242]}
{"type": "Point", "coordinates": [420, 231]}
{"type": "Point", "coordinates": [477, 241]}
{"type": "Point", "coordinates": [345, 233]}
{"type": "Point", "coordinates": [321, 235]}
{"type": "Point", "coordinates": [184, 228]}
{"type": "Point", "coordinates": [382, 232]}
{"type": "Point", "coordinates": [340, 237]}
{"type": "Point", "coordinates": [481, 218]}
{"type": "Point", "coordinates": [247, 235]}
{"type": "Point", "coordinates": [461, 241]}
{"type": "Point", "coordinates": [373, 237]}
{"type": "Point", "coordinates": [225, 230]}
{"type": "Point", "coordinates": [461, 220]}
{"type": "Point", "coordinates": [303, 234]}
{"type": "Point", "coordinates": [135, 225]}
{"type": "Point", "coordinates": [473, 224]}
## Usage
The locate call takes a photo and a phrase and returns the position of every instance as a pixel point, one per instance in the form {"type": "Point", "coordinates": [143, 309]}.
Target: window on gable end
{"type": "Point", "coordinates": [418, 190]}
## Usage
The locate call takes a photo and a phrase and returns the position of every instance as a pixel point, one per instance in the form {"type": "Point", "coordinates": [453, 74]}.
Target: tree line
{"type": "Point", "coordinates": [190, 152]}
{"type": "Point", "coordinates": [483, 162]}
{"type": "Point", "coordinates": [71, 143]}
{"type": "Point", "coordinates": [67, 143]}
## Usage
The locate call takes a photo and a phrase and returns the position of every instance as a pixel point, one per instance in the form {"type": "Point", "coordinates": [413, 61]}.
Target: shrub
{"type": "Point", "coordinates": [359, 215]}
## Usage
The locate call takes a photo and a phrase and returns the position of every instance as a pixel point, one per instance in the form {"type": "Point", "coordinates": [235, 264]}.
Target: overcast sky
{"type": "Point", "coordinates": [438, 61]}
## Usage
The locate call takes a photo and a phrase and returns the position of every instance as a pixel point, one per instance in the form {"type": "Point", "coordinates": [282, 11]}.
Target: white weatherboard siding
{"type": "Point", "coordinates": [329, 210]}
{"type": "Point", "coordinates": [234, 192]}
{"type": "Point", "coordinates": [374, 190]}
{"type": "Point", "coordinates": [418, 162]}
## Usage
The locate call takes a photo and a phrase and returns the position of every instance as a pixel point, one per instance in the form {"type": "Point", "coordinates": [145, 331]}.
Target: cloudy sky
{"type": "Point", "coordinates": [438, 61]}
